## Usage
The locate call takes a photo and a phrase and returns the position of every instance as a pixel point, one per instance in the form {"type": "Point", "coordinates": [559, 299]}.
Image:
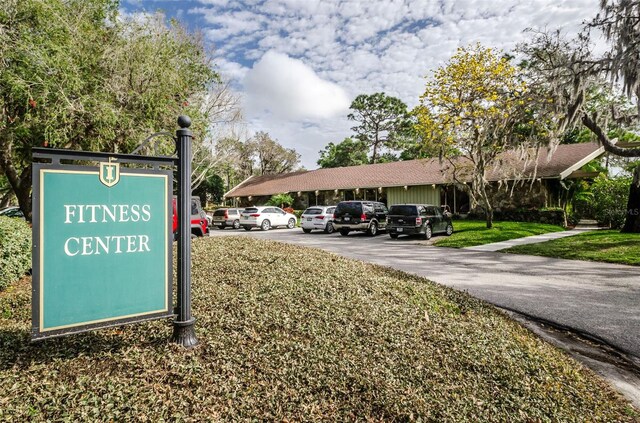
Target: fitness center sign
{"type": "Point", "coordinates": [102, 246]}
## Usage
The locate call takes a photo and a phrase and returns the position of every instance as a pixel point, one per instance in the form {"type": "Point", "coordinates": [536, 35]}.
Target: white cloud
{"type": "Point", "coordinates": [301, 61]}
{"type": "Point", "coordinates": [289, 89]}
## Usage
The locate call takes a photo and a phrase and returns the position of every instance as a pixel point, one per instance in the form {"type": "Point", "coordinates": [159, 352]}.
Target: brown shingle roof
{"type": "Point", "coordinates": [410, 172]}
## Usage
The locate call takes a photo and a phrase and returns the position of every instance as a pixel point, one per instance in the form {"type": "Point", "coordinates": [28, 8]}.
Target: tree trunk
{"type": "Point", "coordinates": [20, 183]}
{"type": "Point", "coordinates": [374, 155]}
{"type": "Point", "coordinates": [23, 194]}
{"type": "Point", "coordinates": [488, 209]}
{"type": "Point", "coordinates": [4, 201]}
{"type": "Point", "coordinates": [632, 220]}
{"type": "Point", "coordinates": [489, 215]}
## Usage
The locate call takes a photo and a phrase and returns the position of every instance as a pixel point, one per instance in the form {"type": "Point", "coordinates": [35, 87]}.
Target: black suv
{"type": "Point", "coordinates": [417, 219]}
{"type": "Point", "coordinates": [369, 216]}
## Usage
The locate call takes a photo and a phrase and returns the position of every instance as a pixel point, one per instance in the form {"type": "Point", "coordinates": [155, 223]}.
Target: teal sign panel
{"type": "Point", "coordinates": [102, 253]}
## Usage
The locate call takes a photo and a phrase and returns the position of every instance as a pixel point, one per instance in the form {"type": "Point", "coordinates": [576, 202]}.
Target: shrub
{"type": "Point", "coordinates": [610, 197]}
{"type": "Point", "coordinates": [15, 250]}
{"type": "Point", "coordinates": [280, 200]}
{"type": "Point", "coordinates": [552, 216]}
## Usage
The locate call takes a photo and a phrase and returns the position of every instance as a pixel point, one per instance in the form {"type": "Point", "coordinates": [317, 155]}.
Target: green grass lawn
{"type": "Point", "coordinates": [468, 233]}
{"type": "Point", "coordinates": [294, 334]}
{"type": "Point", "coordinates": [604, 245]}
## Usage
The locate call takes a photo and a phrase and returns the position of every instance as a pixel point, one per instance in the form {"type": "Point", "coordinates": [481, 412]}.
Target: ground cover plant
{"type": "Point", "coordinates": [15, 249]}
{"type": "Point", "coordinates": [468, 233]}
{"type": "Point", "coordinates": [294, 334]}
{"type": "Point", "coordinates": [610, 246]}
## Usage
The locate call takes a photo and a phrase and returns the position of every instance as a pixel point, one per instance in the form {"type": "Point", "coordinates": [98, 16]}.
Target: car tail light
{"type": "Point", "coordinates": [255, 215]}
{"type": "Point", "coordinates": [363, 216]}
{"type": "Point", "coordinates": [320, 217]}
{"type": "Point", "coordinates": [334, 215]}
{"type": "Point", "coordinates": [418, 221]}
{"type": "Point", "coordinates": [226, 214]}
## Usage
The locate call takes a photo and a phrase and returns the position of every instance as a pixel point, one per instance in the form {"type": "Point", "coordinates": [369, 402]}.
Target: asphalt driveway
{"type": "Point", "coordinates": [598, 299]}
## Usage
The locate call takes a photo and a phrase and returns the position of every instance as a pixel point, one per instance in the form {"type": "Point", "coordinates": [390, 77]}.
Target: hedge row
{"type": "Point", "coordinates": [15, 249]}
{"type": "Point", "coordinates": [550, 216]}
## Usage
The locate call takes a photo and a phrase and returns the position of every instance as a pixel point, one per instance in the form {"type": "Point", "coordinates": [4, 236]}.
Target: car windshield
{"type": "Point", "coordinates": [403, 210]}
{"type": "Point", "coordinates": [194, 207]}
{"type": "Point", "coordinates": [352, 208]}
{"type": "Point", "coordinates": [219, 212]}
{"type": "Point", "coordinates": [313, 211]}
{"type": "Point", "coordinates": [250, 210]}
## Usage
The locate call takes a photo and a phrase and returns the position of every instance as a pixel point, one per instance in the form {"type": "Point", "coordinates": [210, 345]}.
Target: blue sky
{"type": "Point", "coordinates": [298, 64]}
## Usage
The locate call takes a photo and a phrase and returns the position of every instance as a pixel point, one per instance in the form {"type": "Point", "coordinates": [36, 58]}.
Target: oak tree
{"type": "Point", "coordinates": [74, 74]}
{"type": "Point", "coordinates": [575, 74]}
{"type": "Point", "coordinates": [271, 157]}
{"type": "Point", "coordinates": [349, 152]}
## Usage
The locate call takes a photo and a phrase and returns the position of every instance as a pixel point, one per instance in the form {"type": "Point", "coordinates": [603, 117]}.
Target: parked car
{"type": "Point", "coordinates": [417, 219]}
{"type": "Point", "coordinates": [317, 217]}
{"type": "Point", "coordinates": [368, 216]}
{"type": "Point", "coordinates": [266, 217]}
{"type": "Point", "coordinates": [226, 217]}
{"type": "Point", "coordinates": [199, 224]}
{"type": "Point", "coordinates": [11, 211]}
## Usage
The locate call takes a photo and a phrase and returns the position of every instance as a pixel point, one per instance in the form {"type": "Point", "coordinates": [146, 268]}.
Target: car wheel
{"type": "Point", "coordinates": [392, 235]}
{"type": "Point", "coordinates": [236, 224]}
{"type": "Point", "coordinates": [220, 227]}
{"type": "Point", "coordinates": [449, 230]}
{"type": "Point", "coordinates": [344, 232]}
{"type": "Point", "coordinates": [194, 236]}
{"type": "Point", "coordinates": [266, 225]}
{"type": "Point", "coordinates": [306, 231]}
{"type": "Point", "coordinates": [291, 223]}
{"type": "Point", "coordinates": [427, 232]}
{"type": "Point", "coordinates": [373, 229]}
{"type": "Point", "coordinates": [247, 228]}
{"type": "Point", "coordinates": [329, 228]}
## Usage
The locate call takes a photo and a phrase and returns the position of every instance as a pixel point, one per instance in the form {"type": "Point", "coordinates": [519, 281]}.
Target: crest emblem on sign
{"type": "Point", "coordinates": [109, 173]}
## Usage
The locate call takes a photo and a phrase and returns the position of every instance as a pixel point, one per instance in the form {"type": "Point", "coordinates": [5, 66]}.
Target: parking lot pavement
{"type": "Point", "coordinates": [598, 299]}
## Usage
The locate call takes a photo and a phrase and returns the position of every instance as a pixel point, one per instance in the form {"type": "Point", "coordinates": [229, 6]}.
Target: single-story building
{"type": "Point", "coordinates": [427, 181]}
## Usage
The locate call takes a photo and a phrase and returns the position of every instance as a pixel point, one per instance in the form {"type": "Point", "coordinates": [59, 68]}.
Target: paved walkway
{"type": "Point", "coordinates": [535, 239]}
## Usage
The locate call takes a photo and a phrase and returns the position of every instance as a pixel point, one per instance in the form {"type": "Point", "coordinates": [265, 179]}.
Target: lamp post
{"type": "Point", "coordinates": [183, 326]}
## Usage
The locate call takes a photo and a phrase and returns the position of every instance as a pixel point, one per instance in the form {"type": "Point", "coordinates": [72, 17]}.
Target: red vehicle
{"type": "Point", "coordinates": [199, 223]}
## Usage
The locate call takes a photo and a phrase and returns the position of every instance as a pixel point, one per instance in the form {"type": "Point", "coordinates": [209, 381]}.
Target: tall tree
{"type": "Point", "coordinates": [573, 74]}
{"type": "Point", "coordinates": [210, 189]}
{"type": "Point", "coordinates": [73, 74]}
{"type": "Point", "coordinates": [477, 107]}
{"type": "Point", "coordinates": [382, 120]}
{"type": "Point", "coordinates": [349, 152]}
{"type": "Point", "coordinates": [271, 156]}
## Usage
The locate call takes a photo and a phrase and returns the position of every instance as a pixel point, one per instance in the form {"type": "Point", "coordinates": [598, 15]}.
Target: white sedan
{"type": "Point", "coordinates": [266, 217]}
{"type": "Point", "coordinates": [317, 217]}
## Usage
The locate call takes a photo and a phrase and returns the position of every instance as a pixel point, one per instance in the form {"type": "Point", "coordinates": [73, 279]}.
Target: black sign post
{"type": "Point", "coordinates": [183, 326]}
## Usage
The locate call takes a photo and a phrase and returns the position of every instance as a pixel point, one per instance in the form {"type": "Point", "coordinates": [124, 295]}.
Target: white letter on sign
{"type": "Point", "coordinates": [69, 212]}
{"type": "Point", "coordinates": [66, 247]}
